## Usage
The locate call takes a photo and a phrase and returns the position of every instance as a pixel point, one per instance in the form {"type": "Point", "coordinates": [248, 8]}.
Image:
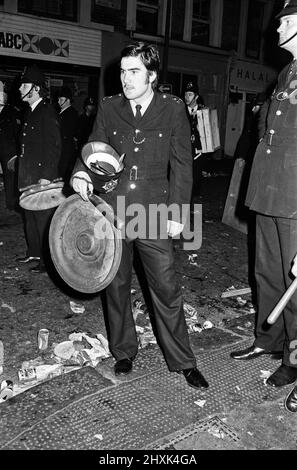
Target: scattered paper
{"type": "Point", "coordinates": [200, 403]}
{"type": "Point", "coordinates": [76, 308]}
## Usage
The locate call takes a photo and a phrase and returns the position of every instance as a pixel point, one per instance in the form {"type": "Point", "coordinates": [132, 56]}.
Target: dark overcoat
{"type": "Point", "coordinates": [10, 124]}
{"type": "Point", "coordinates": [272, 187]}
{"type": "Point", "coordinates": [10, 127]}
{"type": "Point", "coordinates": [158, 157]}
{"type": "Point", "coordinates": [40, 145]}
{"type": "Point", "coordinates": [69, 131]}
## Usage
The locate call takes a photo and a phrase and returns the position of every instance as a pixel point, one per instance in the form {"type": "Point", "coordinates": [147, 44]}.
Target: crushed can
{"type": "Point", "coordinates": [43, 339]}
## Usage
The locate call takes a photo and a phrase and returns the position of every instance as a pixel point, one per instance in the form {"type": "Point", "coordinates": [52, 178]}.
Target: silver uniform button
{"type": "Point", "coordinates": [278, 113]}
{"type": "Point", "coordinates": [272, 131]}
{"type": "Point", "coordinates": [268, 151]}
{"type": "Point", "coordinates": [136, 149]}
{"type": "Point", "coordinates": [132, 186]}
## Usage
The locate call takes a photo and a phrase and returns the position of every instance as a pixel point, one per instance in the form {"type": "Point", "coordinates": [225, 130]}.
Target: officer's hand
{"type": "Point", "coordinates": [294, 266]}
{"type": "Point", "coordinates": [43, 181]}
{"type": "Point", "coordinates": [174, 228]}
{"type": "Point", "coordinates": [11, 163]}
{"type": "Point", "coordinates": [82, 184]}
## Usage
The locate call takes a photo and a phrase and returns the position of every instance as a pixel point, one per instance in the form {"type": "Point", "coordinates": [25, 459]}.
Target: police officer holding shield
{"type": "Point", "coordinates": [153, 131]}
{"type": "Point", "coordinates": [272, 194]}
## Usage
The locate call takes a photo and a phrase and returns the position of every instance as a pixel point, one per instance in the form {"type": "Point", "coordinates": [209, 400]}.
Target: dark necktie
{"type": "Point", "coordinates": [138, 113]}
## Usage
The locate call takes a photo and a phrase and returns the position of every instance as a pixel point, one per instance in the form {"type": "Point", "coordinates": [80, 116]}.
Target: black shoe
{"type": "Point", "coordinates": [124, 366]}
{"type": "Point", "coordinates": [194, 378]}
{"type": "Point", "coordinates": [28, 259]}
{"type": "Point", "coordinates": [291, 401]}
{"type": "Point", "coordinates": [39, 269]}
{"type": "Point", "coordinates": [247, 354]}
{"type": "Point", "coordinates": [284, 375]}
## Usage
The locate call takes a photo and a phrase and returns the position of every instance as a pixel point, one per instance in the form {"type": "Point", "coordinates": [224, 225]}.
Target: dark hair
{"type": "Point", "coordinates": [148, 54]}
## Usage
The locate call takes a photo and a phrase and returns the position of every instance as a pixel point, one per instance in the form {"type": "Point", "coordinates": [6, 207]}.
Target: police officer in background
{"type": "Point", "coordinates": [10, 125]}
{"type": "Point", "coordinates": [194, 102]}
{"type": "Point", "coordinates": [272, 194]}
{"type": "Point", "coordinates": [69, 131]}
{"type": "Point", "coordinates": [86, 121]}
{"type": "Point", "coordinates": [152, 130]}
{"type": "Point", "coordinates": [38, 161]}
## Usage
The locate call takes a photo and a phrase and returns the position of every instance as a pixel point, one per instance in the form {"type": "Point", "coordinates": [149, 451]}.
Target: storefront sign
{"type": "Point", "coordinates": [247, 76]}
{"type": "Point", "coordinates": [34, 44]}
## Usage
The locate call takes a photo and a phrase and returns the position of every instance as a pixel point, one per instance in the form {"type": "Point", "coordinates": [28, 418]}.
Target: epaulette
{"type": "Point", "coordinates": [173, 98]}
{"type": "Point", "coordinates": [112, 97]}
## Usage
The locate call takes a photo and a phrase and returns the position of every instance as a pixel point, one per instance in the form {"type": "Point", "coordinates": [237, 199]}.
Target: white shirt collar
{"type": "Point", "coordinates": [64, 109]}
{"type": "Point", "coordinates": [33, 106]}
{"type": "Point", "coordinates": [144, 105]}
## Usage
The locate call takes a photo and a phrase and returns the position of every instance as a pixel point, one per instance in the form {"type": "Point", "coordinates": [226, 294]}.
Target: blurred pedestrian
{"type": "Point", "coordinates": [153, 132]}
{"type": "Point", "coordinates": [194, 102]}
{"type": "Point", "coordinates": [272, 194]}
{"type": "Point", "coordinates": [38, 161]}
{"type": "Point", "coordinates": [69, 131]}
{"type": "Point", "coordinates": [10, 126]}
{"type": "Point", "coordinates": [86, 121]}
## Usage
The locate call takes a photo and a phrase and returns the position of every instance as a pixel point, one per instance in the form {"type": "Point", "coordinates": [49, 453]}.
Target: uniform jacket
{"type": "Point", "coordinates": [69, 129]}
{"type": "Point", "coordinates": [10, 126]}
{"type": "Point", "coordinates": [85, 126]}
{"type": "Point", "coordinates": [272, 187]}
{"type": "Point", "coordinates": [158, 161]}
{"type": "Point", "coordinates": [195, 136]}
{"type": "Point", "coordinates": [40, 145]}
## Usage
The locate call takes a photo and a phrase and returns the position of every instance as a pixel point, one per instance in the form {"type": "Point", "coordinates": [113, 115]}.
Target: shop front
{"type": "Point", "coordinates": [246, 81]}
{"type": "Point", "coordinates": [69, 55]}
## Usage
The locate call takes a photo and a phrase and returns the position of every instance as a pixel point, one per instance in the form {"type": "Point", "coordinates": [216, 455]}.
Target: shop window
{"type": "Point", "coordinates": [62, 10]}
{"type": "Point", "coordinates": [230, 25]}
{"type": "Point", "coordinates": [201, 22]}
{"type": "Point", "coordinates": [111, 12]}
{"type": "Point", "coordinates": [254, 29]}
{"type": "Point", "coordinates": [178, 20]}
{"type": "Point", "coordinates": [147, 12]}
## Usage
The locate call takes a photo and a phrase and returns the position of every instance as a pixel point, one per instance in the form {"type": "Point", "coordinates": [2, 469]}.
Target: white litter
{"type": "Point", "coordinates": [76, 308]}
{"type": "Point", "coordinates": [200, 403]}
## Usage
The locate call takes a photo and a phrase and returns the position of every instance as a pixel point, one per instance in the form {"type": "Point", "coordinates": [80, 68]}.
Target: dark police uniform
{"type": "Point", "coordinates": [40, 156]}
{"type": "Point", "coordinates": [272, 193]}
{"type": "Point", "coordinates": [10, 126]}
{"type": "Point", "coordinates": [69, 129]}
{"type": "Point", "coordinates": [198, 162]}
{"type": "Point", "coordinates": [158, 169]}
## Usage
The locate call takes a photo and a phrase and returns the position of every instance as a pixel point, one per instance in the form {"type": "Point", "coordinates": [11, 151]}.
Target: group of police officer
{"type": "Point", "coordinates": [152, 130]}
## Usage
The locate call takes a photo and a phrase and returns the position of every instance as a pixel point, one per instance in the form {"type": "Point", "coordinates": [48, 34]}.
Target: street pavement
{"type": "Point", "coordinates": [151, 409]}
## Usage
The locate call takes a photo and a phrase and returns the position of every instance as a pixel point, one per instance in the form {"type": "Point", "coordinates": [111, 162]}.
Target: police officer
{"type": "Point", "coordinates": [152, 130]}
{"type": "Point", "coordinates": [194, 102]}
{"type": "Point", "coordinates": [10, 124]}
{"type": "Point", "coordinates": [272, 194]}
{"type": "Point", "coordinates": [39, 159]}
{"type": "Point", "coordinates": [69, 129]}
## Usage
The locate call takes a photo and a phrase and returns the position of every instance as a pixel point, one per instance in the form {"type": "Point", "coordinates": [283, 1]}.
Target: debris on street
{"type": "Point", "coordinates": [232, 292]}
{"type": "Point", "coordinates": [76, 308]}
{"type": "Point", "coordinates": [5, 305]}
{"type": "Point", "coordinates": [6, 391]}
{"type": "Point", "coordinates": [200, 403]}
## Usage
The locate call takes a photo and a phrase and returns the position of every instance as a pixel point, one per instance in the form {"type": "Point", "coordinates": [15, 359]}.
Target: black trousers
{"type": "Point", "coordinates": [158, 263]}
{"type": "Point", "coordinates": [10, 187]}
{"type": "Point", "coordinates": [276, 246]}
{"type": "Point", "coordinates": [36, 231]}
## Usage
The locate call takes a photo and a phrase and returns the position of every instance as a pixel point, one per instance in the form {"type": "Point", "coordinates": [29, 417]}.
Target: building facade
{"type": "Point", "coordinates": [219, 43]}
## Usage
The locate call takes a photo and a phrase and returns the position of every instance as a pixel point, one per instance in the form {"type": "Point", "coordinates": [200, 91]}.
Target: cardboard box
{"type": "Point", "coordinates": [207, 124]}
